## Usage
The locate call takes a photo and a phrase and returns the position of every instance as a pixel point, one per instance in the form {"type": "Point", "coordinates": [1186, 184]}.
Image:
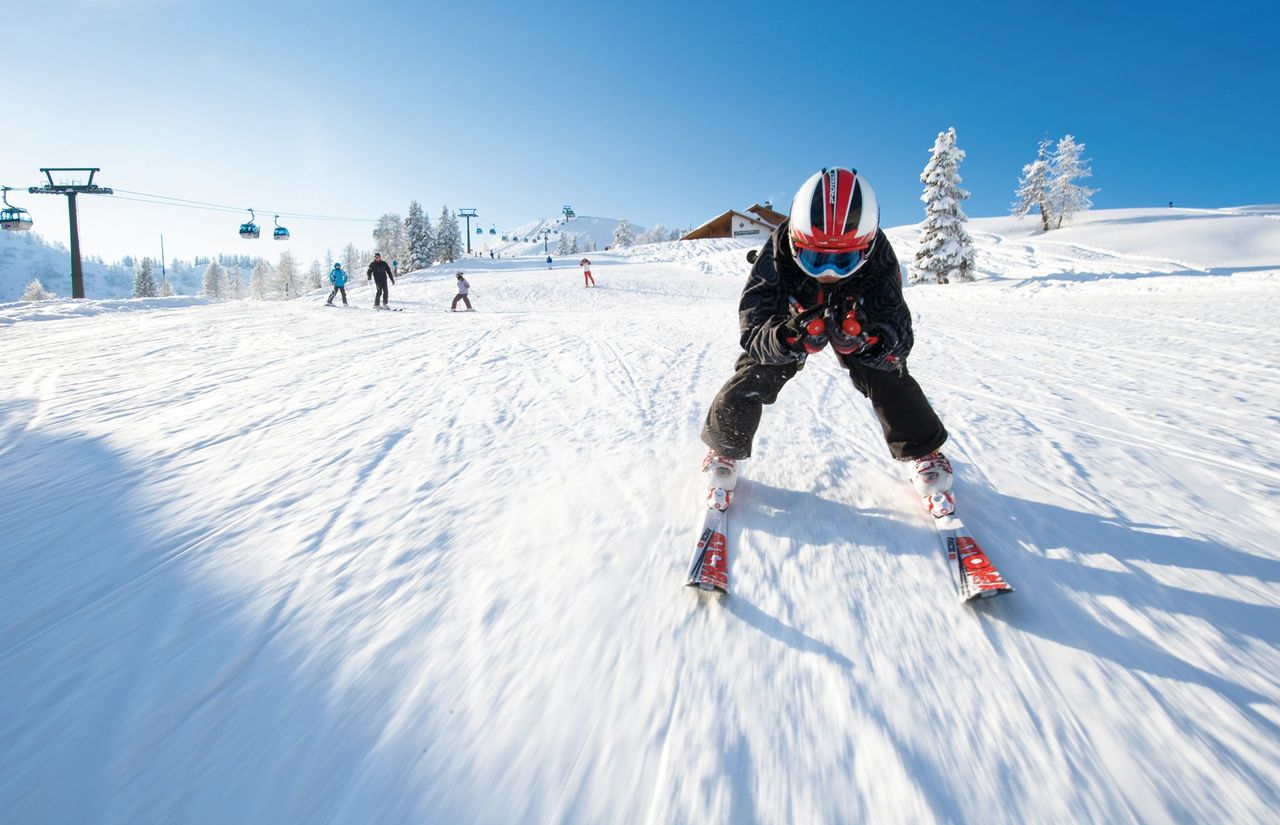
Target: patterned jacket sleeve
{"type": "Point", "coordinates": [883, 301]}
{"type": "Point", "coordinates": [762, 310]}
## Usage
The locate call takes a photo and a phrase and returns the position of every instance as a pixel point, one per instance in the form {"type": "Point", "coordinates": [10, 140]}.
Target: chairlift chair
{"type": "Point", "coordinates": [13, 218]}
{"type": "Point", "coordinates": [280, 233]}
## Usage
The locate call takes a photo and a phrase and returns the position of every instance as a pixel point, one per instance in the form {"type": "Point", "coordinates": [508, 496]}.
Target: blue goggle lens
{"type": "Point", "coordinates": [839, 264]}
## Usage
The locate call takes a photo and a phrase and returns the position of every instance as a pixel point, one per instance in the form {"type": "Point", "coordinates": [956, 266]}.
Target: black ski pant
{"type": "Point", "coordinates": [336, 290]}
{"type": "Point", "coordinates": [381, 295]}
{"type": "Point", "coordinates": [911, 427]}
{"type": "Point", "coordinates": [460, 297]}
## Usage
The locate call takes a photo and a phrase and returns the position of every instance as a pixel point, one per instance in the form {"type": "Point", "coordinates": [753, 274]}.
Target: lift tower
{"type": "Point", "coordinates": [468, 214]}
{"type": "Point", "coordinates": [71, 188]}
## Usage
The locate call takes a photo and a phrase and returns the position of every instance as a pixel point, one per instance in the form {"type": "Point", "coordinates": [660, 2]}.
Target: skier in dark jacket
{"type": "Point", "coordinates": [827, 276]}
{"type": "Point", "coordinates": [379, 271]}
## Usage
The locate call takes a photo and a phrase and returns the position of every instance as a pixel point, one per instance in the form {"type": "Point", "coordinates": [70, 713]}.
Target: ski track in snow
{"type": "Point", "coordinates": [271, 562]}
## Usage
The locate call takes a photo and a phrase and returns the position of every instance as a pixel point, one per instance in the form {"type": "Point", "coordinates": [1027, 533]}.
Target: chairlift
{"type": "Point", "coordinates": [280, 233]}
{"type": "Point", "coordinates": [13, 218]}
{"type": "Point", "coordinates": [493, 231]}
{"type": "Point", "coordinates": [250, 230]}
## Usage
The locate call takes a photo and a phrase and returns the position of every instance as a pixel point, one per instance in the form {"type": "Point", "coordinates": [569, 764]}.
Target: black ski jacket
{"type": "Point", "coordinates": [379, 269]}
{"type": "Point", "coordinates": [776, 278]}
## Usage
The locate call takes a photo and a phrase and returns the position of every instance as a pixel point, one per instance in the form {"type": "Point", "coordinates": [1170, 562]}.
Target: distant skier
{"type": "Point", "coordinates": [379, 272]}
{"type": "Point", "coordinates": [587, 280]}
{"type": "Point", "coordinates": [827, 274]}
{"type": "Point", "coordinates": [463, 289]}
{"type": "Point", "coordinates": [338, 278]}
{"type": "Point", "coordinates": [548, 262]}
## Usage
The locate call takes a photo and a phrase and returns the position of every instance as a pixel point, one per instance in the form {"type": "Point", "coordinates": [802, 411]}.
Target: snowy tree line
{"type": "Point", "coordinates": [413, 243]}
{"type": "Point", "coordinates": [1048, 185]}
{"type": "Point", "coordinates": [409, 244]}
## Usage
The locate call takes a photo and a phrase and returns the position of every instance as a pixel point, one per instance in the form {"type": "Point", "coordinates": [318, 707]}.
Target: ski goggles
{"type": "Point", "coordinates": [836, 264]}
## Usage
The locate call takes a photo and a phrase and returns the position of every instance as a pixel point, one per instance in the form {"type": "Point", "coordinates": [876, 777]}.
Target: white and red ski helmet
{"type": "Point", "coordinates": [834, 212]}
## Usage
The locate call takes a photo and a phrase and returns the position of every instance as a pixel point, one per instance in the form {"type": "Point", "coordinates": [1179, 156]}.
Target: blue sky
{"type": "Point", "coordinates": [660, 112]}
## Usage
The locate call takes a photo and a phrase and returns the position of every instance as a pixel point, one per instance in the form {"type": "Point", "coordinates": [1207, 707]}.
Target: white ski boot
{"type": "Point", "coordinates": [931, 478]}
{"type": "Point", "coordinates": [722, 477]}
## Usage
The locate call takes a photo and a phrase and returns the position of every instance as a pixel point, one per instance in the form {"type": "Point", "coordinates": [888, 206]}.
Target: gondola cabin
{"type": "Point", "coordinates": [15, 219]}
{"type": "Point", "coordinates": [279, 233]}
{"type": "Point", "coordinates": [249, 230]}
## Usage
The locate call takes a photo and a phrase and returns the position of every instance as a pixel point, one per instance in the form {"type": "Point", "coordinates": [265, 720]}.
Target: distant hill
{"type": "Point", "coordinates": [598, 231]}
{"type": "Point", "coordinates": [26, 255]}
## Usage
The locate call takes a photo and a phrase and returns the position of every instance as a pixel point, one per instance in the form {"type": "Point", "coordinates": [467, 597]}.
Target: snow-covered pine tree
{"type": "Point", "coordinates": [574, 246]}
{"type": "Point", "coordinates": [417, 230]}
{"type": "Point", "coordinates": [315, 276]}
{"type": "Point", "coordinates": [945, 251]}
{"type": "Point", "coordinates": [233, 283]}
{"type": "Point", "coordinates": [656, 235]}
{"type": "Point", "coordinates": [215, 282]}
{"type": "Point", "coordinates": [1033, 186]}
{"type": "Point", "coordinates": [1065, 196]}
{"type": "Point", "coordinates": [166, 289]}
{"type": "Point", "coordinates": [35, 291]}
{"type": "Point", "coordinates": [351, 258]}
{"type": "Point", "coordinates": [287, 282]}
{"type": "Point", "coordinates": [562, 245]}
{"type": "Point", "coordinates": [389, 238]}
{"type": "Point", "coordinates": [144, 283]}
{"type": "Point", "coordinates": [448, 246]}
{"type": "Point", "coordinates": [622, 234]}
{"type": "Point", "coordinates": [260, 281]}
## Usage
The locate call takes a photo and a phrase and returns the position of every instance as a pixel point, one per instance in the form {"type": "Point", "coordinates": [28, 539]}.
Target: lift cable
{"type": "Point", "coordinates": [167, 200]}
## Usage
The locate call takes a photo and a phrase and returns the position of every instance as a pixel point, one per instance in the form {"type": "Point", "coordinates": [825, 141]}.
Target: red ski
{"type": "Point", "coordinates": [709, 569]}
{"type": "Point", "coordinates": [972, 571]}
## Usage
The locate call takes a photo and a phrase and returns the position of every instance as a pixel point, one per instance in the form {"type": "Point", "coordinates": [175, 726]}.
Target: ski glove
{"type": "Point", "coordinates": [876, 349]}
{"type": "Point", "coordinates": [805, 332]}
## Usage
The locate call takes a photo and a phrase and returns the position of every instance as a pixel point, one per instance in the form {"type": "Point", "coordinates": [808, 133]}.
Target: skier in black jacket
{"type": "Point", "coordinates": [379, 271]}
{"type": "Point", "coordinates": [826, 276]}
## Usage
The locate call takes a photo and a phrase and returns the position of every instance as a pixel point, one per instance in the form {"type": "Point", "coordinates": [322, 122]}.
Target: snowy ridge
{"type": "Point", "coordinates": [274, 562]}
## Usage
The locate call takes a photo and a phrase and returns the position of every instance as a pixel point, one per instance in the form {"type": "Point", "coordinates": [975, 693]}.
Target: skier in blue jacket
{"type": "Point", "coordinates": [338, 277]}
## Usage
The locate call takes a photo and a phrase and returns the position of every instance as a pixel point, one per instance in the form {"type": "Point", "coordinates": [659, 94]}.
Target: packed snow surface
{"type": "Point", "coordinates": [275, 562]}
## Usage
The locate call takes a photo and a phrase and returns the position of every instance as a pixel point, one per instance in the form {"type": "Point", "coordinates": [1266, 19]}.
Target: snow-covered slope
{"type": "Point", "coordinates": [274, 562]}
{"type": "Point", "coordinates": [1127, 242]}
